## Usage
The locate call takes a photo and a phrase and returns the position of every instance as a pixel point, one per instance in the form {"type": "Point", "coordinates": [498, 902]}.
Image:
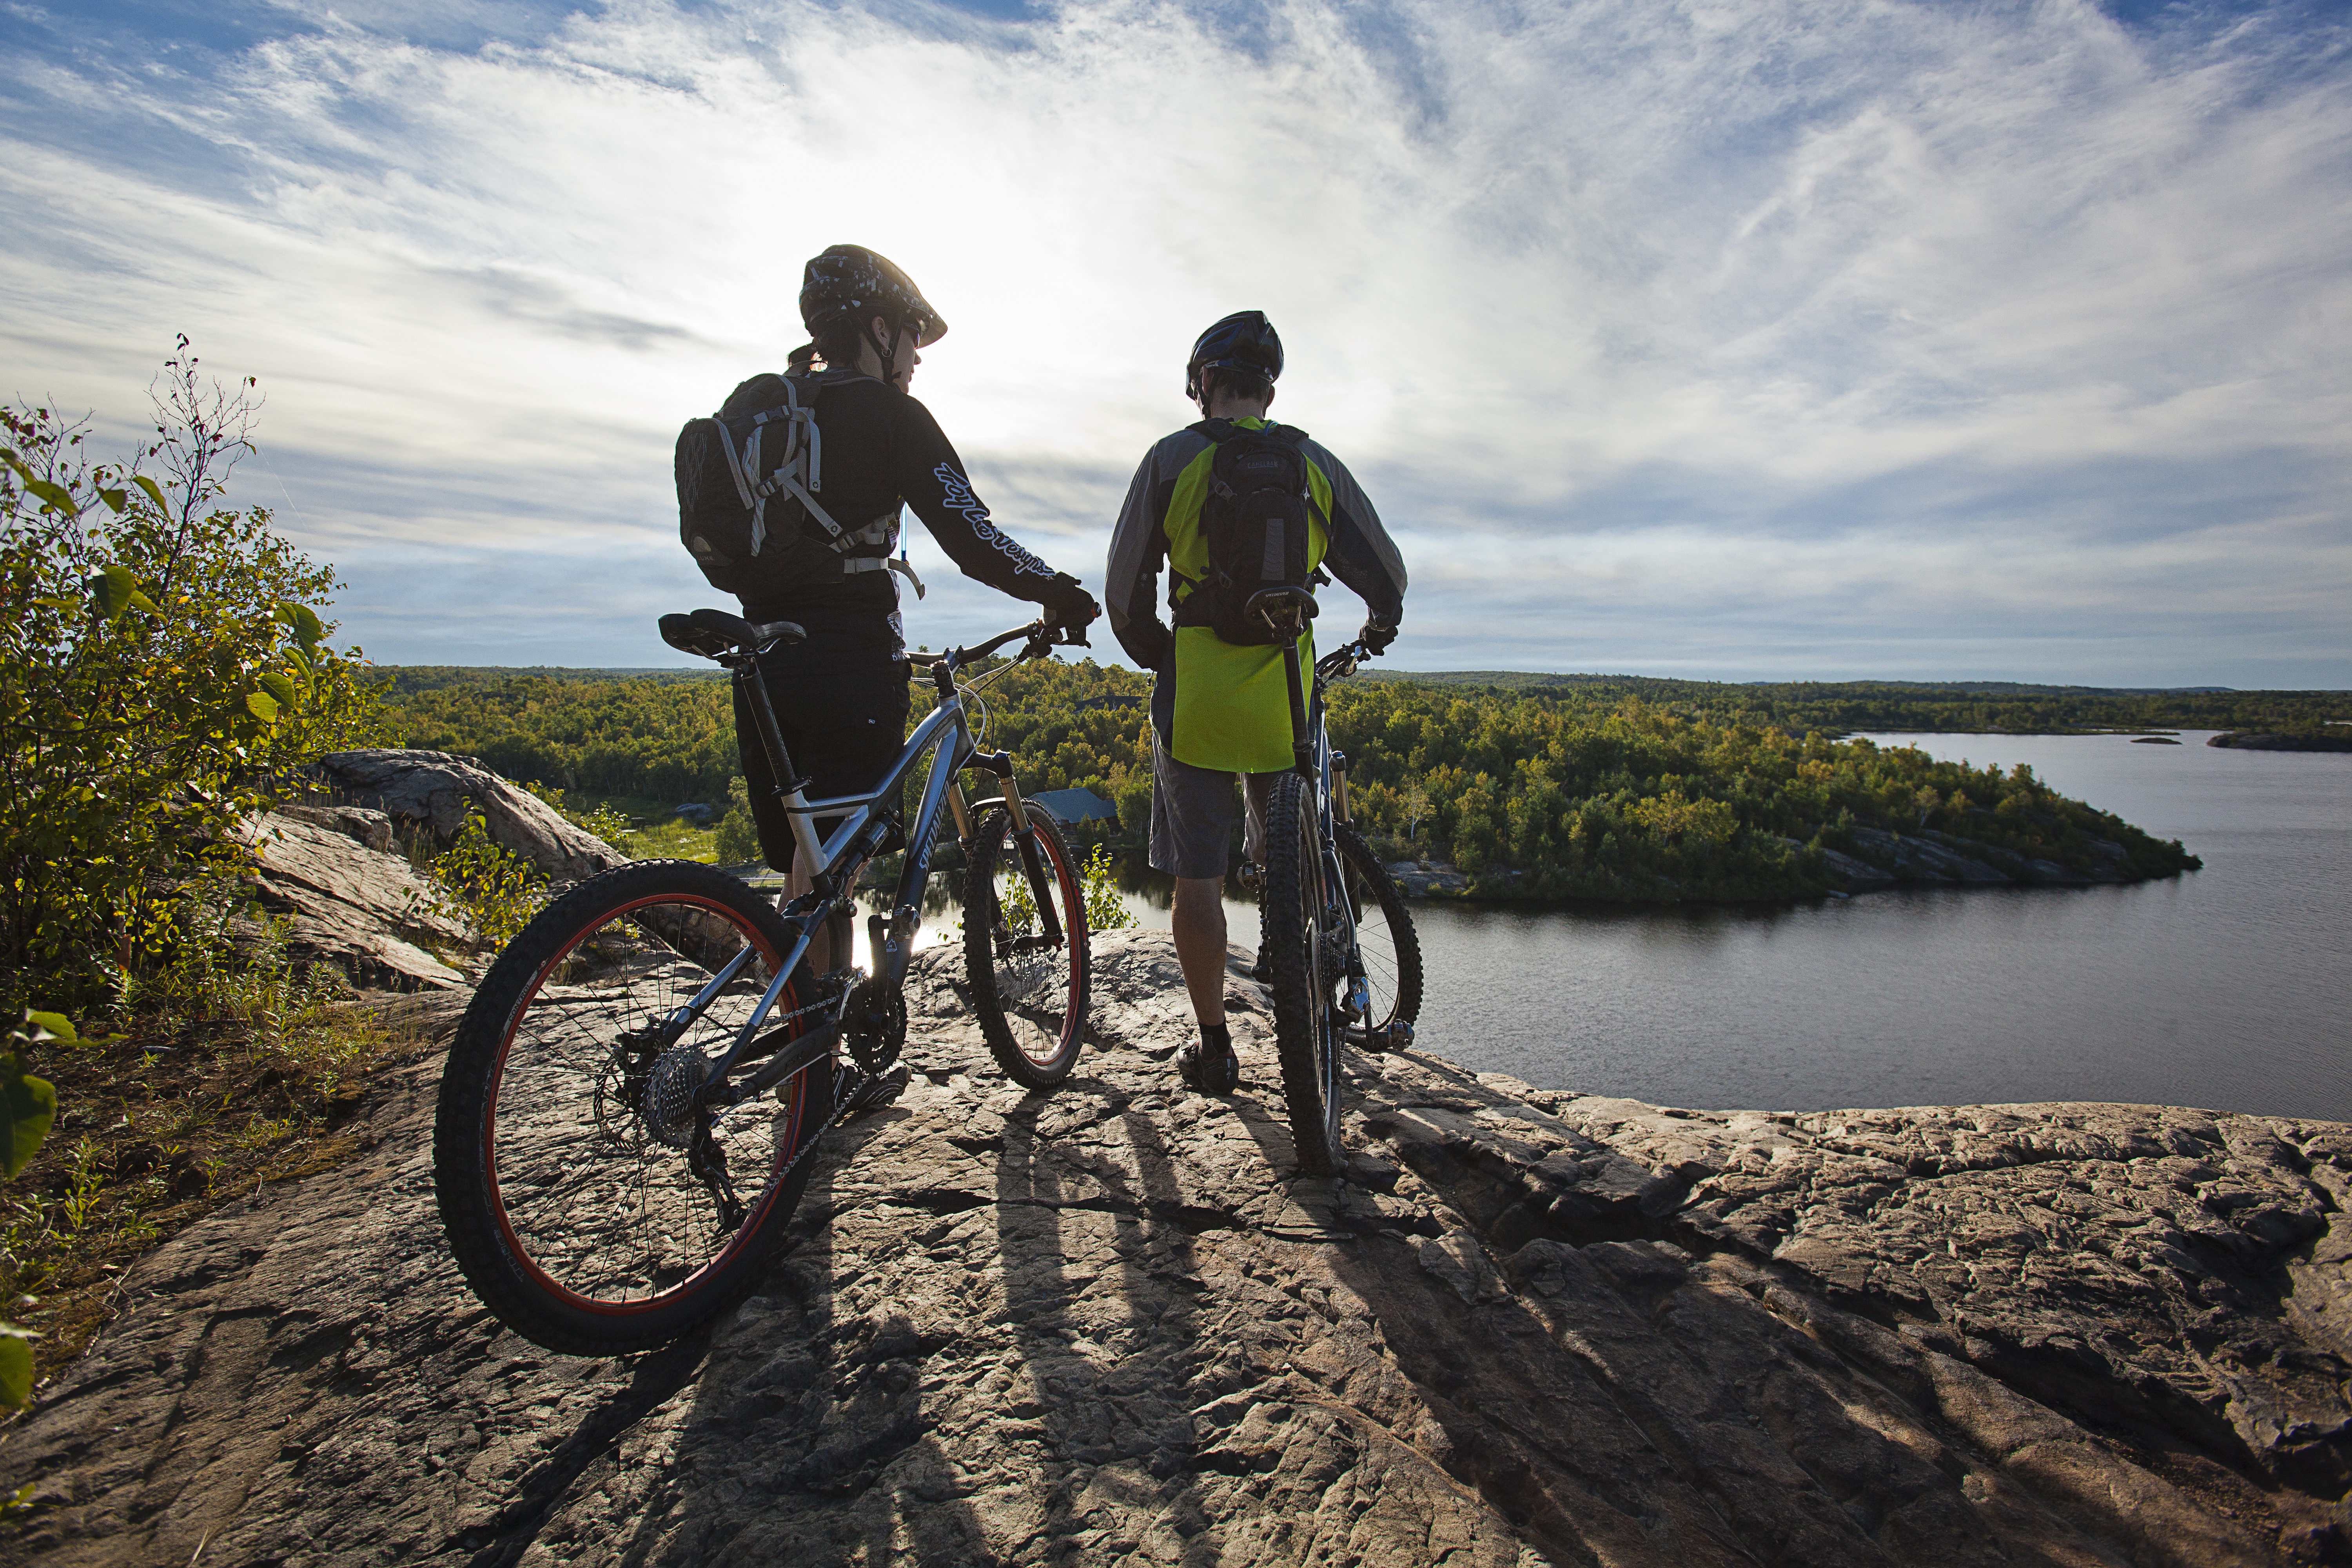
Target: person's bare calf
{"type": "Point", "coordinates": [1198, 918]}
{"type": "Point", "coordinates": [1198, 922]}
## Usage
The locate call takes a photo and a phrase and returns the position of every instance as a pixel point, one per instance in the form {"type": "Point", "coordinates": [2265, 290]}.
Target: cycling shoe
{"type": "Point", "coordinates": [874, 1093]}
{"type": "Point", "coordinates": [1207, 1072]}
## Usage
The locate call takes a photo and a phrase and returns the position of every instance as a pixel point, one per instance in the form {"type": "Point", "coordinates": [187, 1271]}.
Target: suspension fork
{"type": "Point", "coordinates": [1024, 839]}
{"type": "Point", "coordinates": [1032, 863]}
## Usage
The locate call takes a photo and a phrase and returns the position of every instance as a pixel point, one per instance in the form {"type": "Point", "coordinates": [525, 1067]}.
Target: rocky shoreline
{"type": "Point", "coordinates": [2246, 742]}
{"type": "Point", "coordinates": [1874, 861]}
{"type": "Point", "coordinates": [1114, 1326]}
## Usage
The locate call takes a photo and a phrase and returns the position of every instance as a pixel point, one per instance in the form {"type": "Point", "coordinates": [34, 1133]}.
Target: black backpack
{"type": "Point", "coordinates": [1255, 521]}
{"type": "Point", "coordinates": [748, 478]}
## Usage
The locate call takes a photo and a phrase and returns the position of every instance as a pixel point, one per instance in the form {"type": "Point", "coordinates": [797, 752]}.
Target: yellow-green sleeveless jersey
{"type": "Point", "coordinates": [1217, 704]}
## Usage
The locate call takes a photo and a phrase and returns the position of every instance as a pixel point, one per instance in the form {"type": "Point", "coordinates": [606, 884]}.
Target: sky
{"type": "Point", "coordinates": [1728, 339]}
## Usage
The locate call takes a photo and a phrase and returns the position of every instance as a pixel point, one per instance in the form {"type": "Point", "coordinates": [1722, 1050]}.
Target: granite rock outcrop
{"type": "Point", "coordinates": [335, 879]}
{"type": "Point", "coordinates": [1113, 1325]}
{"type": "Point", "coordinates": [434, 793]}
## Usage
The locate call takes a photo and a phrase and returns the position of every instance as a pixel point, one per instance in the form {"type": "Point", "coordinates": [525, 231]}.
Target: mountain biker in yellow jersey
{"type": "Point", "coordinates": [1231, 505]}
{"type": "Point", "coordinates": [810, 541]}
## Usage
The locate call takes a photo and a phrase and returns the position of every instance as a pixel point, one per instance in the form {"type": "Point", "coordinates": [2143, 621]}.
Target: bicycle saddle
{"type": "Point", "coordinates": [708, 634]}
{"type": "Point", "coordinates": [1282, 606]}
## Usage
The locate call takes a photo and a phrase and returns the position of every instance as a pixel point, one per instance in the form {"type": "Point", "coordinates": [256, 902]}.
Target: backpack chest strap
{"type": "Point", "coordinates": [857, 563]}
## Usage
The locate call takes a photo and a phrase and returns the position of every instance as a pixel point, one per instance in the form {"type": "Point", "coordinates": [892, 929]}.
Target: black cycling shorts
{"type": "Point", "coordinates": [843, 729]}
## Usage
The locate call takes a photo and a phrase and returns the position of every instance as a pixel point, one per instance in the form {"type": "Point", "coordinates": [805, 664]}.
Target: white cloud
{"type": "Point", "coordinates": [1934, 324]}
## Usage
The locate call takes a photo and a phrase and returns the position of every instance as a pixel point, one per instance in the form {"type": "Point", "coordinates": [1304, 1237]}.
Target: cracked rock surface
{"type": "Point", "coordinates": [1112, 1325]}
{"type": "Point", "coordinates": [350, 899]}
{"type": "Point", "coordinates": [434, 792]}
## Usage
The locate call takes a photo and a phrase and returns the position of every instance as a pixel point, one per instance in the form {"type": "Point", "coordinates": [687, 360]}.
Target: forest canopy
{"type": "Point", "coordinates": [1555, 789]}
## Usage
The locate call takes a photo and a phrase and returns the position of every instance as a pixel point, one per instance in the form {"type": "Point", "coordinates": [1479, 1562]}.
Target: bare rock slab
{"type": "Point", "coordinates": [351, 900]}
{"type": "Point", "coordinates": [436, 791]}
{"type": "Point", "coordinates": [1113, 1326]}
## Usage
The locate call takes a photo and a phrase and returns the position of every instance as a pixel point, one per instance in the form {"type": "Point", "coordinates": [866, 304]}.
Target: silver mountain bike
{"type": "Point", "coordinates": [629, 1106]}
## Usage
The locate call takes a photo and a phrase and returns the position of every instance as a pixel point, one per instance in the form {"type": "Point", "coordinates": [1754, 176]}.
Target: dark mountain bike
{"type": "Point", "coordinates": [1337, 946]}
{"type": "Point", "coordinates": [629, 1110]}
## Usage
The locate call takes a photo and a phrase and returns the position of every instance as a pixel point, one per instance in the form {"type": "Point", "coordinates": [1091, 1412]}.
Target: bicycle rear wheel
{"type": "Point", "coordinates": [588, 1205]}
{"type": "Point", "coordinates": [1299, 951]}
{"type": "Point", "coordinates": [1029, 987]}
{"type": "Point", "coordinates": [1385, 937]}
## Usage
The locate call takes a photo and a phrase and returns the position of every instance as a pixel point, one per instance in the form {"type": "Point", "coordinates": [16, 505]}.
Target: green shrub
{"type": "Point", "coordinates": [605, 821]}
{"type": "Point", "coordinates": [1106, 910]}
{"type": "Point", "coordinates": [163, 670]}
{"type": "Point", "coordinates": [737, 836]}
{"type": "Point", "coordinates": [495, 888]}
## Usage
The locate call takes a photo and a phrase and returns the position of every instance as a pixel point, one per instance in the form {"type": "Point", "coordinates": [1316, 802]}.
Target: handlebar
{"type": "Point", "coordinates": [1341, 662]}
{"type": "Point", "coordinates": [1039, 634]}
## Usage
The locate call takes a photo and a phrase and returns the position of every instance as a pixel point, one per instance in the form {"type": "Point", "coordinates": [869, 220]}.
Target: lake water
{"type": "Point", "coordinates": [2223, 988]}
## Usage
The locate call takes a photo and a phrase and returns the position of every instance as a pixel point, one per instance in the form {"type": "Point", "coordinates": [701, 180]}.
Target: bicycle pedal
{"type": "Point", "coordinates": [871, 1093]}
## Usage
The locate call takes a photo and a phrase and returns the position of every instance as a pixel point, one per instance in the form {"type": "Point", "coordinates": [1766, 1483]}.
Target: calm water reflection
{"type": "Point", "coordinates": [2223, 988]}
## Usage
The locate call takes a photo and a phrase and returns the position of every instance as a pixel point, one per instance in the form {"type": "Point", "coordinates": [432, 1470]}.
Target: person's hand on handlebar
{"type": "Point", "coordinates": [1376, 638]}
{"type": "Point", "coordinates": [1069, 607]}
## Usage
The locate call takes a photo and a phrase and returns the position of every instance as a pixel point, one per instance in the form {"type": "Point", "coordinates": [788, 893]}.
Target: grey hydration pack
{"type": "Point", "coordinates": [748, 482]}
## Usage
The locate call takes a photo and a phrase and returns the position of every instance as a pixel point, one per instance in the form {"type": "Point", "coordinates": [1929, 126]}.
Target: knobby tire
{"type": "Point", "coordinates": [1305, 1019]}
{"type": "Point", "coordinates": [1396, 996]}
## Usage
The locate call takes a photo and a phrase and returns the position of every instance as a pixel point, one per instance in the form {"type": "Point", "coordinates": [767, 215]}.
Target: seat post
{"type": "Point", "coordinates": [789, 789]}
{"type": "Point", "coordinates": [749, 680]}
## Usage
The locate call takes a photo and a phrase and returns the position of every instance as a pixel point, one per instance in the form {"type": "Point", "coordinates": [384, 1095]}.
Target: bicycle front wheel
{"type": "Point", "coordinates": [590, 1207]}
{"type": "Point", "coordinates": [1299, 950]}
{"type": "Point", "coordinates": [1029, 975]}
{"type": "Point", "coordinates": [1384, 937]}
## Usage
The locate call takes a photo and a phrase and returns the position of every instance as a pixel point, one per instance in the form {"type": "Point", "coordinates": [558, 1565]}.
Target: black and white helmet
{"type": "Point", "coordinates": [1244, 341]}
{"type": "Point", "coordinates": [851, 280]}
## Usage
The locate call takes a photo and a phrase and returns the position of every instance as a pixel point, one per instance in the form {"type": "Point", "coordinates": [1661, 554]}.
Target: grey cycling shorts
{"type": "Point", "coordinates": [1192, 816]}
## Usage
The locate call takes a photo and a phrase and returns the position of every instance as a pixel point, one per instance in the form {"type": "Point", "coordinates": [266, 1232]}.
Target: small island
{"type": "Point", "coordinates": [2298, 741]}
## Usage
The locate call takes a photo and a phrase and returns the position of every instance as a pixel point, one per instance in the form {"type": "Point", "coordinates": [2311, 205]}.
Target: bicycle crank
{"type": "Point", "coordinates": [874, 1026]}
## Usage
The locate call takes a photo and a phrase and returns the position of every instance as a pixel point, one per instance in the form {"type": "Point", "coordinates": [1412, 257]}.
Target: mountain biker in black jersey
{"type": "Point", "coordinates": [841, 696]}
{"type": "Point", "coordinates": [1219, 707]}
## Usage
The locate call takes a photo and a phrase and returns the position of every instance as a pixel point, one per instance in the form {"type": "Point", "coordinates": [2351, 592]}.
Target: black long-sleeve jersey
{"type": "Point", "coordinates": [882, 449]}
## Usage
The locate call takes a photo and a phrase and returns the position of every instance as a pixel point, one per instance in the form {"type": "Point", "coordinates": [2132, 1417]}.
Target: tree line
{"type": "Point", "coordinates": [1942, 706]}
{"type": "Point", "coordinates": [1561, 790]}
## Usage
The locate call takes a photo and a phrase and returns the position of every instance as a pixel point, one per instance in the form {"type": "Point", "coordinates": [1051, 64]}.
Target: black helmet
{"type": "Point", "coordinates": [847, 279]}
{"type": "Point", "coordinates": [1244, 341]}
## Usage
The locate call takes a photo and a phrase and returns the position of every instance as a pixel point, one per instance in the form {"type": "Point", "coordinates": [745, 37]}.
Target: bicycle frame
{"type": "Point", "coordinates": [945, 736]}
